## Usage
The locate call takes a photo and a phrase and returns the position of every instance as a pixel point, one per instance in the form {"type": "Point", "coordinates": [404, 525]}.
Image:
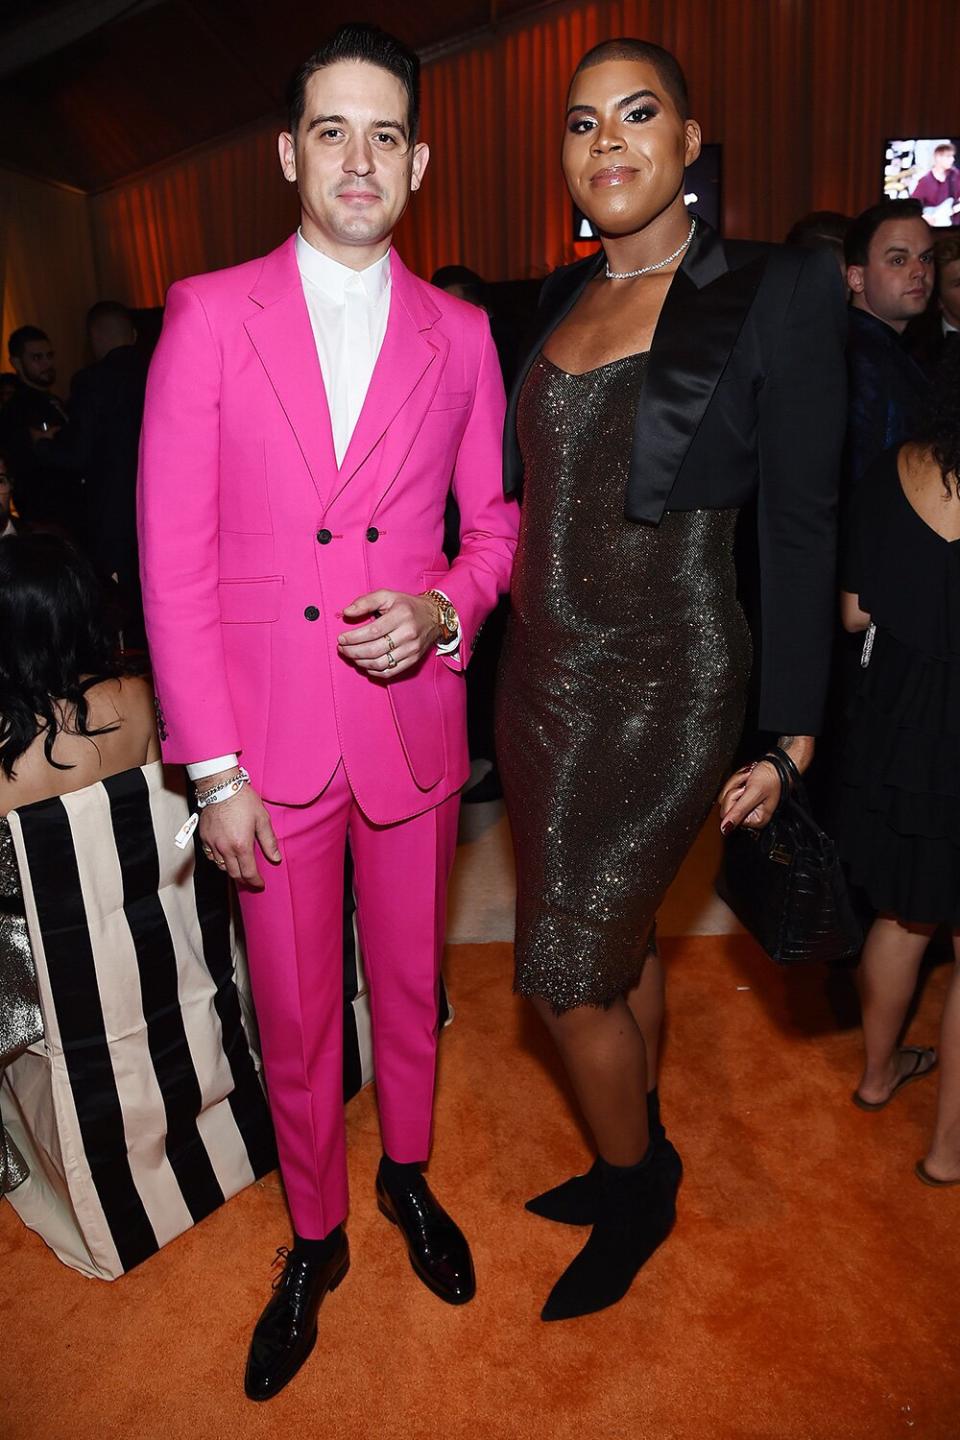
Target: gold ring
{"type": "Point", "coordinates": [389, 640]}
{"type": "Point", "coordinates": [391, 662]}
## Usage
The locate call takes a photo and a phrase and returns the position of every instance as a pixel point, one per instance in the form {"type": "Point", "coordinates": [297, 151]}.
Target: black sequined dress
{"type": "Point", "coordinates": [622, 689]}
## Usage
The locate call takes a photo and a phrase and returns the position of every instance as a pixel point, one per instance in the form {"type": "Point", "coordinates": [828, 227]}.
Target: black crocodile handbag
{"type": "Point", "coordinates": [785, 885]}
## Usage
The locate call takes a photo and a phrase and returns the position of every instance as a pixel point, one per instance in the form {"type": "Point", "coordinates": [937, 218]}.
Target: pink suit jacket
{"type": "Point", "coordinates": [252, 540]}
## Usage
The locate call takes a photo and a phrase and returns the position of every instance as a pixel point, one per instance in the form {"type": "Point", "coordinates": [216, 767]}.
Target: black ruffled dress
{"type": "Point", "coordinates": [899, 828]}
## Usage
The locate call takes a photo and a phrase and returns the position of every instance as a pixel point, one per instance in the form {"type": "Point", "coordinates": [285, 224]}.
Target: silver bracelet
{"type": "Point", "coordinates": [225, 790]}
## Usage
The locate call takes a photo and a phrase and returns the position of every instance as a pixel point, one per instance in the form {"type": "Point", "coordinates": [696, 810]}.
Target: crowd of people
{"type": "Point", "coordinates": [312, 600]}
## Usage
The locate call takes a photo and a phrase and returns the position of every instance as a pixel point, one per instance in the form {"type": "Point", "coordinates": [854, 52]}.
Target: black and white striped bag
{"type": "Point", "coordinates": [142, 1109]}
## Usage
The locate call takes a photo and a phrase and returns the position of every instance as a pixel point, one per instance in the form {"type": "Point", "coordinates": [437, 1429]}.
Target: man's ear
{"type": "Point", "coordinates": [287, 151]}
{"type": "Point", "coordinates": [855, 278]}
{"type": "Point", "coordinates": [421, 158]}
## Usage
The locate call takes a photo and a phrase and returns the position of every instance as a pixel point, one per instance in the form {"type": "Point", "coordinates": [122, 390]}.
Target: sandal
{"type": "Point", "coordinates": [919, 1070]}
{"type": "Point", "coordinates": [922, 1173]}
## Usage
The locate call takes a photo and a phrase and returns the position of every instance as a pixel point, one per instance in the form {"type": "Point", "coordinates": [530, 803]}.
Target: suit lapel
{"type": "Point", "coordinates": [702, 316]}
{"type": "Point", "coordinates": [701, 319]}
{"type": "Point", "coordinates": [282, 336]}
{"type": "Point", "coordinates": [404, 379]}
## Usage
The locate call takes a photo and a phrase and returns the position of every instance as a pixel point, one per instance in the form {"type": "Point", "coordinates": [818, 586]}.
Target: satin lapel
{"type": "Point", "coordinates": [576, 280]}
{"type": "Point", "coordinates": [404, 379]}
{"type": "Point", "coordinates": [282, 336]}
{"type": "Point", "coordinates": [698, 327]}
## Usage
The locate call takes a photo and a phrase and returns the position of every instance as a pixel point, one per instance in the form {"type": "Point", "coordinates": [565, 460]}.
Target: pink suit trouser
{"type": "Point", "coordinates": [294, 931]}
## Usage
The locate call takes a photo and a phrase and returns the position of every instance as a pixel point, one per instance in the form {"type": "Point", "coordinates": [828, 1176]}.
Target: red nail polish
{"type": "Point", "coordinates": [726, 827]}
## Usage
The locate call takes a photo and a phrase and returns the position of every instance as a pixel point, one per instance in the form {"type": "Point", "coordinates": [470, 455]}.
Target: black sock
{"type": "Point", "coordinates": [394, 1172]}
{"type": "Point", "coordinates": [317, 1249]}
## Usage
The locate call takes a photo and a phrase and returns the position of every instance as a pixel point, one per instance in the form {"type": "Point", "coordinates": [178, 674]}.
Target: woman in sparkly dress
{"type": "Point", "coordinates": [676, 378]}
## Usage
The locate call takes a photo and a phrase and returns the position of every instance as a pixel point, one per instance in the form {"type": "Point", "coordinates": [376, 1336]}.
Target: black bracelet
{"type": "Point", "coordinates": [788, 761]}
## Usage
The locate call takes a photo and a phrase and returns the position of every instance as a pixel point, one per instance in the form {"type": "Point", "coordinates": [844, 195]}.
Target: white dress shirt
{"type": "Point", "coordinates": [349, 310]}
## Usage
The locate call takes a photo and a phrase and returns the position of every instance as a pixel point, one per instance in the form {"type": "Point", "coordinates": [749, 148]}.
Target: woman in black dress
{"type": "Point", "coordinates": [900, 802]}
{"type": "Point", "coordinates": [676, 377]}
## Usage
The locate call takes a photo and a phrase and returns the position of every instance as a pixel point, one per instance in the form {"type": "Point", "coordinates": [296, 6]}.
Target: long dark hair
{"type": "Point", "coordinates": [51, 633]}
{"type": "Point", "coordinates": [939, 426]}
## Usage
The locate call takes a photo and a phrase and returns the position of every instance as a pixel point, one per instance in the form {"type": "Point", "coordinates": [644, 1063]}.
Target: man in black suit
{"type": "Point", "coordinates": [35, 412]}
{"type": "Point", "coordinates": [939, 326]}
{"type": "Point", "coordinates": [889, 252]}
{"type": "Point", "coordinates": [102, 441]}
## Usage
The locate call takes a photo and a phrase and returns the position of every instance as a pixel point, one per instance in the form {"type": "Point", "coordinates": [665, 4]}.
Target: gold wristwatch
{"type": "Point", "coordinates": [447, 618]}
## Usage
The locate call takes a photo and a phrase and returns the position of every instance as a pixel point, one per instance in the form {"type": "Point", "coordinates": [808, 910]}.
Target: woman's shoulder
{"type": "Point", "coordinates": [125, 698]}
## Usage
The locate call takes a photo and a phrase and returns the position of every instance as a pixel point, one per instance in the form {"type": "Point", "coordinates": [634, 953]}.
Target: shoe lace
{"type": "Point", "coordinates": [281, 1258]}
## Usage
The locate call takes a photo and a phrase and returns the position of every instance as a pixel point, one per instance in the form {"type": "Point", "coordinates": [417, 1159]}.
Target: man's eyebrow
{"type": "Point", "coordinates": [627, 100]}
{"type": "Point", "coordinates": [325, 120]}
{"type": "Point", "coordinates": [342, 120]}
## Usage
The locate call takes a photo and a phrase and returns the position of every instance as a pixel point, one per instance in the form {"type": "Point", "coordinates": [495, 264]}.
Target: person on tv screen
{"type": "Point", "coordinates": [939, 189]}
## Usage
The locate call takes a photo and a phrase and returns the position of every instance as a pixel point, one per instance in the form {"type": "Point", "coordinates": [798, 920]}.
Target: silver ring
{"type": "Point", "coordinates": [391, 661]}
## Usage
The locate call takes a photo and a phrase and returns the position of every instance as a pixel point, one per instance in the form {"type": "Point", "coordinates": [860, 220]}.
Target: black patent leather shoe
{"type": "Point", "coordinates": [286, 1332]}
{"type": "Point", "coordinates": [436, 1246]}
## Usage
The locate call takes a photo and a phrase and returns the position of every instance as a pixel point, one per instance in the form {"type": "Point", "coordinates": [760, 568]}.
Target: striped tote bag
{"type": "Point", "coordinates": [142, 1108]}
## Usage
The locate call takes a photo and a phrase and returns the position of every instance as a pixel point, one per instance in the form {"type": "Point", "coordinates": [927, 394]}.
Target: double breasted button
{"type": "Point", "coordinates": [324, 537]}
{"type": "Point", "coordinates": [373, 534]}
{"type": "Point", "coordinates": [311, 613]}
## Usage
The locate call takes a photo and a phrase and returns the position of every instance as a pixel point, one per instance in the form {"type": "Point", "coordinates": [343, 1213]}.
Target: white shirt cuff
{"type": "Point", "coordinates": [203, 768]}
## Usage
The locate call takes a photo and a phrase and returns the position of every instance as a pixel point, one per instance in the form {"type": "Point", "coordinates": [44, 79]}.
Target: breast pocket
{"type": "Point", "coordinates": [450, 400]}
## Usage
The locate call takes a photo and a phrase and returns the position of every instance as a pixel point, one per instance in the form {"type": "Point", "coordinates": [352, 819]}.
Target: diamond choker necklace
{"type": "Point", "coordinates": [648, 269]}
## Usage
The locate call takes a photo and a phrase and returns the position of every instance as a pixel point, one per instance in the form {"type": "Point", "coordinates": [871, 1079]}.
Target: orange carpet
{"type": "Point", "coordinates": [809, 1292]}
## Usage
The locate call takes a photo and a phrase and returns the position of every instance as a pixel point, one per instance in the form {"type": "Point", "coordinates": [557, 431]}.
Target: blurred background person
{"type": "Point", "coordinates": [900, 805]}
{"type": "Point", "coordinates": [36, 413]}
{"type": "Point", "coordinates": [889, 252]}
{"type": "Point", "coordinates": [938, 328]}
{"type": "Point", "coordinates": [101, 443]}
{"type": "Point", "coordinates": [822, 229]}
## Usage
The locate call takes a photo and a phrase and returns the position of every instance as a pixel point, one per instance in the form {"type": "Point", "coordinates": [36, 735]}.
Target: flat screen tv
{"type": "Point", "coordinates": [702, 192]}
{"type": "Point", "coordinates": [925, 170]}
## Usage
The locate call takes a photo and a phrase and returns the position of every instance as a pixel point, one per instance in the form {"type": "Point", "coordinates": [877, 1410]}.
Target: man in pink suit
{"type": "Point", "coordinates": [306, 415]}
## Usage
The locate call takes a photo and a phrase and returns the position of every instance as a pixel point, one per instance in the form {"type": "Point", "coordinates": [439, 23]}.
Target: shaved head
{"type": "Point", "coordinates": [667, 66]}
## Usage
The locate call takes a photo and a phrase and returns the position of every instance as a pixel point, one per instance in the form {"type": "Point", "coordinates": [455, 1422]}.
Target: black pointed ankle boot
{"type": "Point", "coordinates": [577, 1201]}
{"type": "Point", "coordinates": [637, 1209]}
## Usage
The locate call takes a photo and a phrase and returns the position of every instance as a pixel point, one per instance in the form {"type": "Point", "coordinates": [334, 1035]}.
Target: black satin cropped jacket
{"type": "Point", "coordinates": [744, 396]}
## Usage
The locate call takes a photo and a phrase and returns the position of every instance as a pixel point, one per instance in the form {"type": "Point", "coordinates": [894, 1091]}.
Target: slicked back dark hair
{"type": "Point", "coordinates": [20, 339]}
{"type": "Point", "coordinates": [359, 42]}
{"type": "Point", "coordinates": [856, 246]}
{"type": "Point", "coordinates": [667, 66]}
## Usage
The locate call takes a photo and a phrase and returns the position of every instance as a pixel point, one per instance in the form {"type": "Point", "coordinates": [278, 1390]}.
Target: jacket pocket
{"type": "Point", "coordinates": [250, 602]}
{"type": "Point", "coordinates": [450, 400]}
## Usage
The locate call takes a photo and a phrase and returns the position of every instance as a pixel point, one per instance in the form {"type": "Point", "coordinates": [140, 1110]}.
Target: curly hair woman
{"type": "Point", "coordinates": [67, 717]}
{"type": "Point", "coordinates": [900, 806]}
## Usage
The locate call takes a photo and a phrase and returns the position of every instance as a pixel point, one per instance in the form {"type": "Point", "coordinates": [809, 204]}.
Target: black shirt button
{"type": "Point", "coordinates": [373, 534]}
{"type": "Point", "coordinates": [324, 537]}
{"type": "Point", "coordinates": [311, 613]}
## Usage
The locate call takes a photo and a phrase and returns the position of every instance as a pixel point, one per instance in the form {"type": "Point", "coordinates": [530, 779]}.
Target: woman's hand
{"type": "Point", "coordinates": [751, 796]}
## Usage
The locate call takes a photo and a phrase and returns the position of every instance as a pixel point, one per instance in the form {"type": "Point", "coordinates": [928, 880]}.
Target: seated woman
{"type": "Point", "coordinates": [900, 803]}
{"type": "Point", "coordinates": [68, 715]}
{"type": "Point", "coordinates": [68, 718]}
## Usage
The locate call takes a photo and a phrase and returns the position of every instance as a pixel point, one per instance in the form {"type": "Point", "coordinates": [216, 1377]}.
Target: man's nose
{"type": "Point", "coordinates": [358, 157]}
{"type": "Point", "coordinates": [607, 140]}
